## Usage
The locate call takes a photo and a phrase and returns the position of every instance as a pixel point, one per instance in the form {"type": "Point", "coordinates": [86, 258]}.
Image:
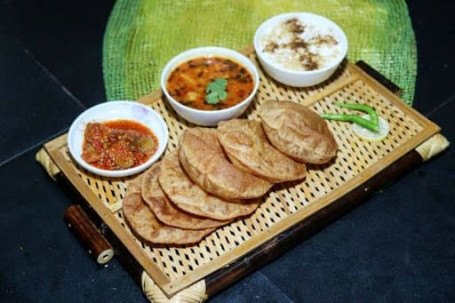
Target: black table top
{"type": "Point", "coordinates": [399, 246]}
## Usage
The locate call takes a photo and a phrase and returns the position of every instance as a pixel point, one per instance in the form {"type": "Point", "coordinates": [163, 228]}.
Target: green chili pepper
{"type": "Point", "coordinates": [354, 119]}
{"type": "Point", "coordinates": [362, 107]}
{"type": "Point", "coordinates": [372, 124]}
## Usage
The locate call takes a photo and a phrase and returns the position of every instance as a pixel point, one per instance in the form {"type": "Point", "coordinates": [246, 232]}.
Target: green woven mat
{"type": "Point", "coordinates": [141, 36]}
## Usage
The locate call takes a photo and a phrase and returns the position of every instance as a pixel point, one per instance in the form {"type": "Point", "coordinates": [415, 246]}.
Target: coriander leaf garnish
{"type": "Point", "coordinates": [212, 98]}
{"type": "Point", "coordinates": [216, 91]}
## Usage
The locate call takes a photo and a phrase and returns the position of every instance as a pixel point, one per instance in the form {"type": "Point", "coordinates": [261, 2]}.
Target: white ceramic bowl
{"type": "Point", "coordinates": [209, 117]}
{"type": "Point", "coordinates": [115, 110]}
{"type": "Point", "coordinates": [301, 78]}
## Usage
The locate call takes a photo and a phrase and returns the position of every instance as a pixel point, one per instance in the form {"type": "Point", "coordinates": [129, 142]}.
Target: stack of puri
{"type": "Point", "coordinates": [217, 175]}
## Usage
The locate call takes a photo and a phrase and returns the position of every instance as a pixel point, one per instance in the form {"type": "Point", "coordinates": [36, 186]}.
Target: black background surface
{"type": "Point", "coordinates": [399, 246]}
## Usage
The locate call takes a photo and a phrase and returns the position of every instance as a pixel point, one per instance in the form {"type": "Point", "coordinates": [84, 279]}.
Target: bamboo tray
{"type": "Point", "coordinates": [288, 212]}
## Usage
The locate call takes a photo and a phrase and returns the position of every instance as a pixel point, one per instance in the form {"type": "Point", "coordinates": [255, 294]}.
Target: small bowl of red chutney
{"type": "Point", "coordinates": [117, 138]}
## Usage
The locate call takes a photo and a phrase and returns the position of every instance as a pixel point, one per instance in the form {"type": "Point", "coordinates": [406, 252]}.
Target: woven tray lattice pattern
{"type": "Point", "coordinates": [141, 36]}
{"type": "Point", "coordinates": [174, 268]}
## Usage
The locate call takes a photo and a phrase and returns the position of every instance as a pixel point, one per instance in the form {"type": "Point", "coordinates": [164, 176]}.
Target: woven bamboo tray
{"type": "Point", "coordinates": [288, 209]}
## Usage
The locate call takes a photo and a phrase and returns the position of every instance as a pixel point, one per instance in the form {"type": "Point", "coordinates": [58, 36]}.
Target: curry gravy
{"type": "Point", "coordinates": [188, 82]}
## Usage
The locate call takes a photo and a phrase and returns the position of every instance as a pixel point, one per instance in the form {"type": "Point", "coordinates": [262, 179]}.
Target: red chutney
{"type": "Point", "coordinates": [187, 83]}
{"type": "Point", "coordinates": [118, 144]}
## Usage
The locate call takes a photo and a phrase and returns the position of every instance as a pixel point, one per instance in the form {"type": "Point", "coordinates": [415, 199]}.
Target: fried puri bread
{"type": "Point", "coordinates": [298, 132]}
{"type": "Point", "coordinates": [189, 197]}
{"type": "Point", "coordinates": [203, 159]}
{"type": "Point", "coordinates": [146, 226]}
{"type": "Point", "coordinates": [244, 142]}
{"type": "Point", "coordinates": [164, 210]}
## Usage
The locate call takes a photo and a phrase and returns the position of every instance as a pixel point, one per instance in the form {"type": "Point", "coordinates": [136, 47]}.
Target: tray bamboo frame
{"type": "Point", "coordinates": [176, 268]}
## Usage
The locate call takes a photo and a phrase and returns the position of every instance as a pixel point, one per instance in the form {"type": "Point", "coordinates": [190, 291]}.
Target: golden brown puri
{"type": "Point", "coordinates": [247, 147]}
{"type": "Point", "coordinates": [145, 225]}
{"type": "Point", "coordinates": [298, 132]}
{"type": "Point", "coordinates": [164, 210]}
{"type": "Point", "coordinates": [188, 196]}
{"type": "Point", "coordinates": [203, 159]}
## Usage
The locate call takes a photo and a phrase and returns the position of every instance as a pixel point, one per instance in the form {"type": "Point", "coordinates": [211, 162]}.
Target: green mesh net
{"type": "Point", "coordinates": [141, 36]}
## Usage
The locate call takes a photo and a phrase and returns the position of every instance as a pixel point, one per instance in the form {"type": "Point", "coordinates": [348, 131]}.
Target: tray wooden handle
{"type": "Point", "coordinates": [379, 77]}
{"type": "Point", "coordinates": [92, 239]}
